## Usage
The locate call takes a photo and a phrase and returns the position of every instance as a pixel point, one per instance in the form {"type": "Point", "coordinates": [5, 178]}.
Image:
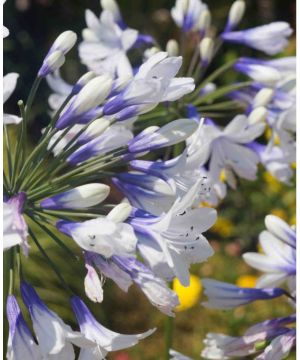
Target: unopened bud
{"type": "Point", "coordinates": [83, 196]}
{"type": "Point", "coordinates": [206, 47]}
{"type": "Point", "coordinates": [89, 35]}
{"type": "Point", "coordinates": [204, 21]}
{"type": "Point", "coordinates": [51, 63]}
{"type": "Point", "coordinates": [64, 42]}
{"type": "Point", "coordinates": [263, 97]}
{"type": "Point", "coordinates": [120, 212]}
{"type": "Point", "coordinates": [112, 6]}
{"type": "Point", "coordinates": [172, 48]}
{"type": "Point", "coordinates": [259, 114]}
{"type": "Point", "coordinates": [235, 15]}
{"type": "Point", "coordinates": [82, 81]}
{"type": "Point", "coordinates": [96, 128]}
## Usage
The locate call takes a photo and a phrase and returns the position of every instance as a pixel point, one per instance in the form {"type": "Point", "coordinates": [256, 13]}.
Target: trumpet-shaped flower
{"type": "Point", "coordinates": [80, 197]}
{"type": "Point", "coordinates": [103, 339]}
{"type": "Point", "coordinates": [222, 295]}
{"type": "Point", "coordinates": [9, 85]}
{"type": "Point", "coordinates": [55, 338]}
{"type": "Point", "coordinates": [104, 236]}
{"type": "Point", "coordinates": [154, 82]}
{"type": "Point", "coordinates": [278, 260]}
{"type": "Point", "coordinates": [271, 38]}
{"type": "Point", "coordinates": [15, 230]}
{"type": "Point", "coordinates": [105, 45]}
{"type": "Point", "coordinates": [255, 340]}
{"type": "Point", "coordinates": [178, 234]}
{"type": "Point", "coordinates": [186, 14]}
{"type": "Point", "coordinates": [21, 344]}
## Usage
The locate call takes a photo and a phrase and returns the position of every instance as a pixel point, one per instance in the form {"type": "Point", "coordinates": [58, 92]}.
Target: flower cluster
{"type": "Point", "coordinates": [151, 132]}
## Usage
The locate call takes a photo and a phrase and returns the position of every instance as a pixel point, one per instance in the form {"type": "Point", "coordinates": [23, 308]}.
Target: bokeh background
{"type": "Point", "coordinates": [34, 24]}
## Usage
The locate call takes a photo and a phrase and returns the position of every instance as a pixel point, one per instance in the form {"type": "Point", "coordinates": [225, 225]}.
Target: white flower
{"type": "Point", "coordinates": [278, 260]}
{"type": "Point", "coordinates": [55, 338]}
{"type": "Point", "coordinates": [103, 339]}
{"type": "Point", "coordinates": [9, 85]}
{"type": "Point", "coordinates": [177, 356]}
{"type": "Point", "coordinates": [186, 13]}
{"type": "Point", "coordinates": [102, 235]}
{"type": "Point", "coordinates": [104, 51]}
{"type": "Point", "coordinates": [92, 284]}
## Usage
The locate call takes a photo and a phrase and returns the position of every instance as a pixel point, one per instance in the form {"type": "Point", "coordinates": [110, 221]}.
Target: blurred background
{"type": "Point", "coordinates": [33, 25]}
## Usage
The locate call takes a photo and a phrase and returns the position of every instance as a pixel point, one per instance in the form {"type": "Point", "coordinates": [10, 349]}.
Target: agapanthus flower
{"type": "Point", "coordinates": [9, 85]}
{"type": "Point", "coordinates": [15, 230]}
{"type": "Point", "coordinates": [278, 260]}
{"type": "Point", "coordinates": [178, 234]}
{"type": "Point", "coordinates": [55, 338]}
{"type": "Point", "coordinates": [222, 295]}
{"type": "Point", "coordinates": [20, 342]}
{"type": "Point", "coordinates": [254, 341]}
{"type": "Point", "coordinates": [103, 340]}
{"type": "Point", "coordinates": [271, 38]}
{"type": "Point", "coordinates": [175, 355]}
{"type": "Point", "coordinates": [103, 235]}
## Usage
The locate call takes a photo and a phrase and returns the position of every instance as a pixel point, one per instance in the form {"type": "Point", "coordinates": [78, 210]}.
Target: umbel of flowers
{"type": "Point", "coordinates": [204, 136]}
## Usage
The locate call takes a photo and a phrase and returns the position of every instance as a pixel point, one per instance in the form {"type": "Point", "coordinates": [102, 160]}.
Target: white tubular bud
{"type": "Point", "coordinates": [120, 213]}
{"type": "Point", "coordinates": [51, 63]}
{"type": "Point", "coordinates": [206, 48]}
{"type": "Point", "coordinates": [64, 42]}
{"type": "Point", "coordinates": [92, 94]}
{"type": "Point", "coordinates": [81, 197]}
{"type": "Point", "coordinates": [204, 21]}
{"type": "Point", "coordinates": [184, 5]}
{"type": "Point", "coordinates": [83, 80]}
{"type": "Point", "coordinates": [92, 285]}
{"type": "Point", "coordinates": [172, 48]}
{"type": "Point", "coordinates": [263, 97]}
{"type": "Point", "coordinates": [112, 6]}
{"type": "Point", "coordinates": [257, 115]}
{"type": "Point", "coordinates": [96, 128]}
{"type": "Point", "coordinates": [89, 35]}
{"type": "Point", "coordinates": [236, 13]}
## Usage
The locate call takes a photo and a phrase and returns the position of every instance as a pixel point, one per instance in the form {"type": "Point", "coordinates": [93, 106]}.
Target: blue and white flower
{"type": "Point", "coordinates": [271, 38]}
{"type": "Point", "coordinates": [103, 340]}
{"type": "Point", "coordinates": [278, 260]}
{"type": "Point", "coordinates": [9, 85]}
{"type": "Point", "coordinates": [186, 14]}
{"type": "Point", "coordinates": [222, 295]}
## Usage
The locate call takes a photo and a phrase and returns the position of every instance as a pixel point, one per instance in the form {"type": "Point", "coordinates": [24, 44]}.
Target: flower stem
{"type": "Point", "coordinates": [168, 330]}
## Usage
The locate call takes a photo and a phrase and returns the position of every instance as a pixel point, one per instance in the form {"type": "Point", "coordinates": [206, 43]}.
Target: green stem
{"type": "Point", "coordinates": [168, 333]}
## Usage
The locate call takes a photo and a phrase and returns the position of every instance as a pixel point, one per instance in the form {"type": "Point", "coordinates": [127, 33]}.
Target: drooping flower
{"type": "Point", "coordinates": [21, 344]}
{"type": "Point", "coordinates": [271, 38]}
{"type": "Point", "coordinates": [103, 340]}
{"type": "Point", "coordinates": [222, 295]}
{"type": "Point", "coordinates": [9, 85]}
{"type": "Point", "coordinates": [55, 338]}
{"type": "Point", "coordinates": [15, 230]}
{"type": "Point", "coordinates": [278, 260]}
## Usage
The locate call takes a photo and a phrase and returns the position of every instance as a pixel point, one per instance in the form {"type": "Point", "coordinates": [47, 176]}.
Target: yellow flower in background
{"type": "Point", "coordinates": [188, 296]}
{"type": "Point", "coordinates": [272, 184]}
{"type": "Point", "coordinates": [246, 281]}
{"type": "Point", "coordinates": [280, 213]}
{"type": "Point", "coordinates": [223, 227]}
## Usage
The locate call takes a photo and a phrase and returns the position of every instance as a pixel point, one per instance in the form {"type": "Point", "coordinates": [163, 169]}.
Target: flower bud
{"type": "Point", "coordinates": [93, 93]}
{"type": "Point", "coordinates": [64, 42]}
{"type": "Point", "coordinates": [235, 15]}
{"type": "Point", "coordinates": [89, 35]}
{"type": "Point", "coordinates": [206, 48]}
{"type": "Point", "coordinates": [120, 213]}
{"type": "Point", "coordinates": [263, 97]}
{"type": "Point", "coordinates": [83, 196]}
{"type": "Point", "coordinates": [204, 21]}
{"type": "Point", "coordinates": [82, 81]}
{"type": "Point", "coordinates": [51, 63]}
{"type": "Point", "coordinates": [112, 6]}
{"type": "Point", "coordinates": [96, 128]}
{"type": "Point", "coordinates": [257, 115]}
{"type": "Point", "coordinates": [172, 48]}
